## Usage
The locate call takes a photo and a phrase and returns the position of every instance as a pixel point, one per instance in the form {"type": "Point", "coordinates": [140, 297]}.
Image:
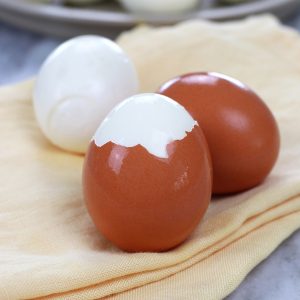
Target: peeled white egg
{"type": "Point", "coordinates": [159, 6]}
{"type": "Point", "coordinates": [79, 83]}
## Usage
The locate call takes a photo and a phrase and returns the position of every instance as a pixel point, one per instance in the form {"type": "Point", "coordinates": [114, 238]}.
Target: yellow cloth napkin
{"type": "Point", "coordinates": [49, 248]}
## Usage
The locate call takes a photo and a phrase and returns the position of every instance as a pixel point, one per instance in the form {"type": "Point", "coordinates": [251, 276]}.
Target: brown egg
{"type": "Point", "coordinates": [147, 174]}
{"type": "Point", "coordinates": [241, 131]}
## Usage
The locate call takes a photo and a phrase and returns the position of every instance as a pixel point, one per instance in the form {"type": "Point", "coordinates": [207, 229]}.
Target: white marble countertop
{"type": "Point", "coordinates": [276, 278]}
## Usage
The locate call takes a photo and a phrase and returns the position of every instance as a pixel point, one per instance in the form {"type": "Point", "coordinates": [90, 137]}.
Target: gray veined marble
{"type": "Point", "coordinates": [276, 278]}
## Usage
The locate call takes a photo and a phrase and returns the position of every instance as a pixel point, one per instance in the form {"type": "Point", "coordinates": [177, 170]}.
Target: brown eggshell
{"type": "Point", "coordinates": [144, 203]}
{"type": "Point", "coordinates": [241, 131]}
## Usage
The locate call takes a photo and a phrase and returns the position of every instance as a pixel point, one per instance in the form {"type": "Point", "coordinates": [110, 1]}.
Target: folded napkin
{"type": "Point", "coordinates": [49, 248]}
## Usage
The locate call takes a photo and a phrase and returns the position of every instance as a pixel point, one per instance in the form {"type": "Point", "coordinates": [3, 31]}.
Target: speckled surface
{"type": "Point", "coordinates": [276, 278]}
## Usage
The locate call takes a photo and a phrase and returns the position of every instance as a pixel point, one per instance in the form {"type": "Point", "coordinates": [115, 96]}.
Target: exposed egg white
{"type": "Point", "coordinates": [150, 120]}
{"type": "Point", "coordinates": [79, 83]}
{"type": "Point", "coordinates": [159, 6]}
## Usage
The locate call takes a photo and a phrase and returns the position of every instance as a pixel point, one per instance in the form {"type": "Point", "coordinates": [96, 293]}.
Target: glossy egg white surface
{"type": "Point", "coordinates": [79, 83]}
{"type": "Point", "coordinates": [150, 120]}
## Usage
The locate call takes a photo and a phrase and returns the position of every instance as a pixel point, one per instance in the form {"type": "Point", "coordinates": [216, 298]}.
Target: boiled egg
{"type": "Point", "coordinates": [241, 132]}
{"type": "Point", "coordinates": [158, 6]}
{"type": "Point", "coordinates": [147, 174]}
{"type": "Point", "coordinates": [79, 83]}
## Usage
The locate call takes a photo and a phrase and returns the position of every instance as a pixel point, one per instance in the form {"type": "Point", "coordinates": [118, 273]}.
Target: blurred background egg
{"type": "Point", "coordinates": [158, 6]}
{"type": "Point", "coordinates": [79, 83]}
{"type": "Point", "coordinates": [147, 174]}
{"type": "Point", "coordinates": [241, 131]}
{"type": "Point", "coordinates": [80, 2]}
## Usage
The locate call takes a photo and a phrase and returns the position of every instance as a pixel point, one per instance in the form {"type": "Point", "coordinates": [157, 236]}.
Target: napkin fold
{"type": "Point", "coordinates": [49, 248]}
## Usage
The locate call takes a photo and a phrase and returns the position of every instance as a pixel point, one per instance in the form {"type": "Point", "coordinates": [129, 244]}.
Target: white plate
{"type": "Point", "coordinates": [111, 19]}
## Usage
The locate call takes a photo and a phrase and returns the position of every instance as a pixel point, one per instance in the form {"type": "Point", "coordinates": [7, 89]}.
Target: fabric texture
{"type": "Point", "coordinates": [50, 249]}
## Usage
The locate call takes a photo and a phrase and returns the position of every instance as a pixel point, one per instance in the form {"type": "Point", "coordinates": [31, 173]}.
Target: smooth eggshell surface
{"type": "Point", "coordinates": [79, 83]}
{"type": "Point", "coordinates": [241, 131]}
{"type": "Point", "coordinates": [141, 201]}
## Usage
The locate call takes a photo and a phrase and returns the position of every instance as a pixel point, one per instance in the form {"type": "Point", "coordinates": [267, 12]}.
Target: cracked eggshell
{"type": "Point", "coordinates": [79, 83]}
{"type": "Point", "coordinates": [147, 174]}
{"type": "Point", "coordinates": [158, 6]}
